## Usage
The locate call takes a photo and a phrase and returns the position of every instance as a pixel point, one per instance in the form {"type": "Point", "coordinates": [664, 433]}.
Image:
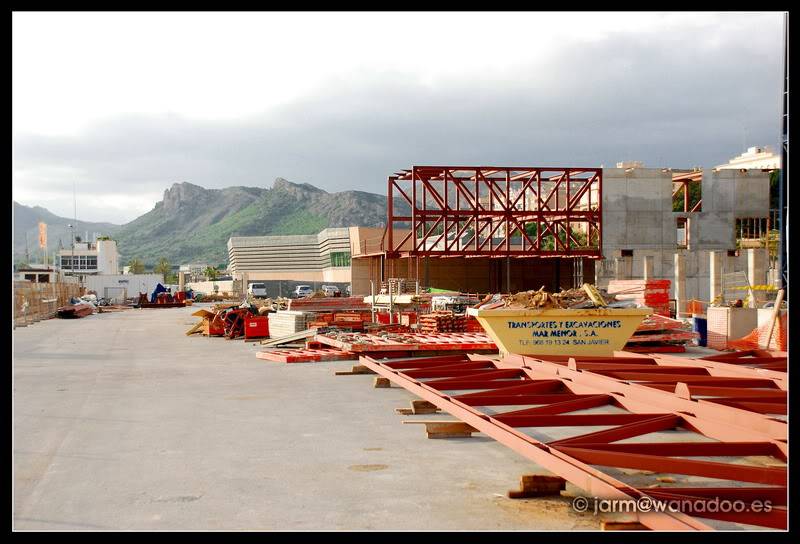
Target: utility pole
{"type": "Point", "coordinates": [782, 184]}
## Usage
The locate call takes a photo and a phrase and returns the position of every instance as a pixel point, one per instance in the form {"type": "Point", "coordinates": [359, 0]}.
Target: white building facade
{"type": "Point", "coordinates": [89, 258]}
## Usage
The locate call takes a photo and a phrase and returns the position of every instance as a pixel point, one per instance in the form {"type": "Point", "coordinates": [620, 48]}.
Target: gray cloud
{"type": "Point", "coordinates": [677, 99]}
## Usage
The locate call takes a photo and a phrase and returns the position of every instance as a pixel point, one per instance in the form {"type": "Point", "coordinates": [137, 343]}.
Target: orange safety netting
{"type": "Point", "coordinates": [757, 339]}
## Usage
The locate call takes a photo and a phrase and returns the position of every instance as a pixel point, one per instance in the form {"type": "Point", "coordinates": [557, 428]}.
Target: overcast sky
{"type": "Point", "coordinates": [125, 104]}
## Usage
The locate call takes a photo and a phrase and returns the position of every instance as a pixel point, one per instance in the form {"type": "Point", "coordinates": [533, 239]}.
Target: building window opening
{"type": "Point", "coordinates": [682, 224]}
{"type": "Point", "coordinates": [340, 258]}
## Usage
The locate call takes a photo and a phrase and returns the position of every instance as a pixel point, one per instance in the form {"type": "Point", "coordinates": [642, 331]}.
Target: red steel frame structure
{"type": "Point", "coordinates": [458, 211]}
{"type": "Point", "coordinates": [681, 182]}
{"type": "Point", "coordinates": [550, 390]}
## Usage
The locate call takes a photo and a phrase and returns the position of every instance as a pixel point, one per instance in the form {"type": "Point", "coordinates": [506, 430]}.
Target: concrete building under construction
{"type": "Point", "coordinates": [506, 229]}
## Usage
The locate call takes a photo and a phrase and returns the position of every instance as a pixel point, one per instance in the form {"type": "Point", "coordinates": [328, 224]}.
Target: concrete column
{"type": "Point", "coordinates": [680, 286]}
{"type": "Point", "coordinates": [715, 273]}
{"type": "Point", "coordinates": [648, 267]}
{"type": "Point", "coordinates": [623, 268]}
{"type": "Point", "coordinates": [181, 281]}
{"type": "Point", "coordinates": [756, 273]}
{"type": "Point", "coordinates": [757, 266]}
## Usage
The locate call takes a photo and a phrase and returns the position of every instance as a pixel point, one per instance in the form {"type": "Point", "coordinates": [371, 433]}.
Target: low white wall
{"type": "Point", "coordinates": [132, 283]}
{"type": "Point", "coordinates": [225, 286]}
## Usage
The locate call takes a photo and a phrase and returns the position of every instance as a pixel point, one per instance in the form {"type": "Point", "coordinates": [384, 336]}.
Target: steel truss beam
{"type": "Point", "coordinates": [475, 211]}
{"type": "Point", "coordinates": [553, 390]}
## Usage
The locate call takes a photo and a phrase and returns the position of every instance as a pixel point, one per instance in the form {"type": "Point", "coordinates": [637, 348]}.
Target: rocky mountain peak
{"type": "Point", "coordinates": [181, 192]}
{"type": "Point", "coordinates": [296, 189]}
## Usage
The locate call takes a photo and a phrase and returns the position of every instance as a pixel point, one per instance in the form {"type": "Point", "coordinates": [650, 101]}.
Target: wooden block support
{"type": "Point", "coordinates": [622, 526]}
{"type": "Point", "coordinates": [381, 382]}
{"type": "Point", "coordinates": [538, 485]}
{"type": "Point", "coordinates": [423, 407]}
{"type": "Point", "coordinates": [446, 429]}
{"type": "Point", "coordinates": [418, 407]}
{"type": "Point", "coordinates": [357, 369]}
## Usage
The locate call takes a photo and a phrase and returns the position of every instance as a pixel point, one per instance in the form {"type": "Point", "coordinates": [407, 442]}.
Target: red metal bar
{"type": "Point", "coordinates": [661, 463]}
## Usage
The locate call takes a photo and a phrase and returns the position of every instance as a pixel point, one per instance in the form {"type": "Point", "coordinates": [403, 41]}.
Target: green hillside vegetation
{"type": "Point", "coordinates": [193, 224]}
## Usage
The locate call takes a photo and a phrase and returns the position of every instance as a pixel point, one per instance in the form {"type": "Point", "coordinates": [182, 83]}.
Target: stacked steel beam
{"type": "Point", "coordinates": [442, 321]}
{"type": "Point", "coordinates": [690, 418]}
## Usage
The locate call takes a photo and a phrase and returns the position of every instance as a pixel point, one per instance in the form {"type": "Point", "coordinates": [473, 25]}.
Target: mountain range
{"type": "Point", "coordinates": [193, 224]}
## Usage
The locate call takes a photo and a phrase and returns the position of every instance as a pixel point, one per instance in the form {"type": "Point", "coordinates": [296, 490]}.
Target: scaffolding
{"type": "Point", "coordinates": [488, 211]}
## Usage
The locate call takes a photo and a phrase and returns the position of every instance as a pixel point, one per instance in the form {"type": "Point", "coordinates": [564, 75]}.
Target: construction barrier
{"type": "Point", "coordinates": [757, 339]}
{"type": "Point", "coordinates": [36, 301]}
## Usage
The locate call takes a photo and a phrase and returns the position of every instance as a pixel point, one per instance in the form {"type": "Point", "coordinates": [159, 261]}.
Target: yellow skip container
{"type": "Point", "coordinates": [596, 331]}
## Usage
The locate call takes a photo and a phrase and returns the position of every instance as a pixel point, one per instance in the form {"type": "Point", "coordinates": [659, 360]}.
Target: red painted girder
{"type": "Point", "coordinates": [775, 518]}
{"type": "Point", "coordinates": [760, 407]}
{"type": "Point", "coordinates": [691, 378]}
{"type": "Point", "coordinates": [485, 375]}
{"type": "Point", "coordinates": [660, 463]}
{"type": "Point", "coordinates": [572, 419]}
{"type": "Point", "coordinates": [724, 368]}
{"type": "Point", "coordinates": [478, 384]}
{"type": "Point", "coordinates": [526, 386]}
{"type": "Point", "coordinates": [503, 400]}
{"type": "Point", "coordinates": [605, 368]}
{"type": "Point", "coordinates": [442, 372]}
{"type": "Point", "coordinates": [427, 362]}
{"type": "Point", "coordinates": [715, 420]}
{"type": "Point", "coordinates": [735, 392]}
{"type": "Point", "coordinates": [589, 401]}
{"type": "Point", "coordinates": [652, 425]}
{"type": "Point", "coordinates": [777, 494]}
{"type": "Point", "coordinates": [689, 449]}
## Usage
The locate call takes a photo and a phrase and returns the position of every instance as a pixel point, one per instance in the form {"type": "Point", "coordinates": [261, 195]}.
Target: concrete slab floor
{"type": "Point", "coordinates": [122, 422]}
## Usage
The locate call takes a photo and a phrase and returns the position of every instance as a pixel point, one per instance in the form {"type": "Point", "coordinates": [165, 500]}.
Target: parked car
{"type": "Point", "coordinates": [302, 291]}
{"type": "Point", "coordinates": [257, 290]}
{"type": "Point", "coordinates": [331, 291]}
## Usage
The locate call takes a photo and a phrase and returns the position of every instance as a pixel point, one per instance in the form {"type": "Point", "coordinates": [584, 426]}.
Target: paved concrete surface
{"type": "Point", "coordinates": [122, 422]}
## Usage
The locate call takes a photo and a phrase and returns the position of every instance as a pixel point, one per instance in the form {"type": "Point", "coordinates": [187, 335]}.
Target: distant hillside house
{"type": "Point", "coordinates": [37, 274]}
{"type": "Point", "coordinates": [98, 257]}
{"type": "Point", "coordinates": [323, 257]}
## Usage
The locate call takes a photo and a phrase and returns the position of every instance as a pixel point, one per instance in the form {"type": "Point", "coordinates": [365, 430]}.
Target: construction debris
{"type": "Point", "coordinates": [586, 296]}
{"type": "Point", "coordinates": [659, 334]}
{"type": "Point", "coordinates": [74, 311]}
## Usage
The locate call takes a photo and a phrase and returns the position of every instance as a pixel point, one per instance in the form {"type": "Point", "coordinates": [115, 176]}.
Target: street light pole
{"type": "Point", "coordinates": [72, 262]}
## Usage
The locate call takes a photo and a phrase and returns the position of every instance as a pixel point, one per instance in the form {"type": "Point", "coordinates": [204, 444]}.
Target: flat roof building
{"type": "Point", "coordinates": [757, 157]}
{"type": "Point", "coordinates": [323, 257]}
{"type": "Point", "coordinates": [99, 257]}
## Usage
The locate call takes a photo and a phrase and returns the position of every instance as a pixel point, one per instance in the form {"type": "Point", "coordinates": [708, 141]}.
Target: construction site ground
{"type": "Point", "coordinates": [121, 421]}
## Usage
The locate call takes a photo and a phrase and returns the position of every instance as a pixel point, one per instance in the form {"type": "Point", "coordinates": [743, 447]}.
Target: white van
{"type": "Point", "coordinates": [257, 290]}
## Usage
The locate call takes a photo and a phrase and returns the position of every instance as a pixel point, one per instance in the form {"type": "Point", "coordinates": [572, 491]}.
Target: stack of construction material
{"type": "Point", "coordinates": [399, 342]}
{"type": "Point", "coordinates": [659, 334]}
{"type": "Point", "coordinates": [442, 321]}
{"type": "Point", "coordinates": [286, 322]}
{"type": "Point", "coordinates": [400, 286]}
{"type": "Point", "coordinates": [329, 304]}
{"type": "Point", "coordinates": [651, 293]}
{"type": "Point", "coordinates": [471, 325]}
